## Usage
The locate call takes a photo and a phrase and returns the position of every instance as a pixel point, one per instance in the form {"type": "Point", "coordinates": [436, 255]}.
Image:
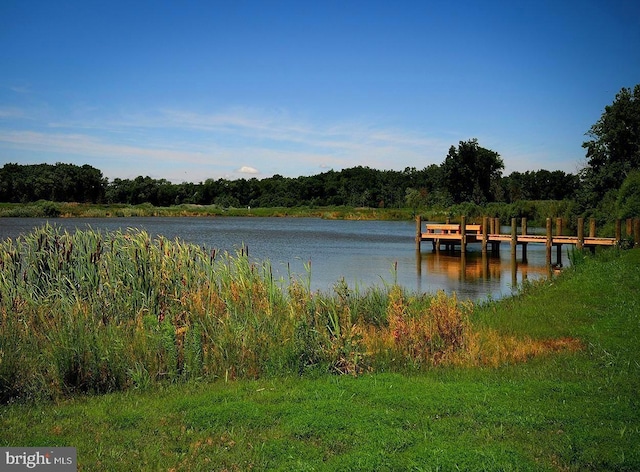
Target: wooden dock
{"type": "Point", "coordinates": [489, 236]}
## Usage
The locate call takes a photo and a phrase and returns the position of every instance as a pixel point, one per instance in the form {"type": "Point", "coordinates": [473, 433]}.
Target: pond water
{"type": "Point", "coordinates": [364, 253]}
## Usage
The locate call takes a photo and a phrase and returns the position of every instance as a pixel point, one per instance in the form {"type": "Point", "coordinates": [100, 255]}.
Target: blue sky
{"type": "Point", "coordinates": [191, 90]}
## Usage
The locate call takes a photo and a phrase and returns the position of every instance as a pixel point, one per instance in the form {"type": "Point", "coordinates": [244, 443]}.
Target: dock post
{"type": "Point", "coordinates": [592, 232]}
{"type": "Point", "coordinates": [485, 221]}
{"type": "Point", "coordinates": [636, 232]}
{"type": "Point", "coordinates": [618, 231]}
{"type": "Point", "coordinates": [580, 244]}
{"type": "Point", "coordinates": [447, 246]}
{"type": "Point", "coordinates": [463, 234]}
{"type": "Point", "coordinates": [514, 237]}
{"type": "Point", "coordinates": [549, 241]}
{"type": "Point", "coordinates": [524, 244]}
{"type": "Point", "coordinates": [629, 227]}
{"type": "Point", "coordinates": [559, 246]}
{"type": "Point", "coordinates": [418, 232]}
{"type": "Point", "coordinates": [495, 246]}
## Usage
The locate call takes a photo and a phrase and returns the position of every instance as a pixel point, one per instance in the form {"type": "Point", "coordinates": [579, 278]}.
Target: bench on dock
{"type": "Point", "coordinates": [451, 231]}
{"type": "Point", "coordinates": [450, 234]}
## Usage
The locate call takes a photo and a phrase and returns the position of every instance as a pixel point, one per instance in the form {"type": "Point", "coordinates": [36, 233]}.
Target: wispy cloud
{"type": "Point", "coordinates": [273, 142]}
{"type": "Point", "coordinates": [280, 126]}
{"type": "Point", "coordinates": [87, 145]}
{"type": "Point", "coordinates": [12, 113]}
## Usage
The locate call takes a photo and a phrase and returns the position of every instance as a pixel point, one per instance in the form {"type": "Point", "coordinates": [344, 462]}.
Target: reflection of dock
{"type": "Point", "coordinates": [488, 234]}
{"type": "Point", "coordinates": [474, 266]}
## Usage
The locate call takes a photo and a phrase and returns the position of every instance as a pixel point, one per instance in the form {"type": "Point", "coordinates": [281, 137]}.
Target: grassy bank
{"type": "Point", "coordinates": [535, 211]}
{"type": "Point", "coordinates": [544, 381]}
{"type": "Point", "coordinates": [45, 209]}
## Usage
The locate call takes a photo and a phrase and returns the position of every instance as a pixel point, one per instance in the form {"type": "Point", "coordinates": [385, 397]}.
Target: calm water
{"type": "Point", "coordinates": [363, 252]}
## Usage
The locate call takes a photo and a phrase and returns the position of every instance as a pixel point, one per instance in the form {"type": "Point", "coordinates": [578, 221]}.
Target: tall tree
{"type": "Point", "coordinates": [614, 148]}
{"type": "Point", "coordinates": [470, 172]}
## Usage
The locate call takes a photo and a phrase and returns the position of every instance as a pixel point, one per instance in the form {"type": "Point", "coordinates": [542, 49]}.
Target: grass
{"type": "Point", "coordinates": [548, 380]}
{"type": "Point", "coordinates": [46, 209]}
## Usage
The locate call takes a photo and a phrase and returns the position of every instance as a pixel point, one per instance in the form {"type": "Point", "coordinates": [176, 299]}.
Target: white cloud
{"type": "Point", "coordinates": [248, 170]}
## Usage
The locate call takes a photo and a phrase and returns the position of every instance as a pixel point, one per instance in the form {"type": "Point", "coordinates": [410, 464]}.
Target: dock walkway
{"type": "Point", "coordinates": [488, 234]}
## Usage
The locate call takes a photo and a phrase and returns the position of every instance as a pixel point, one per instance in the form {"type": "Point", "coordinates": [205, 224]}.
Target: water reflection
{"type": "Point", "coordinates": [469, 267]}
{"type": "Point", "coordinates": [474, 273]}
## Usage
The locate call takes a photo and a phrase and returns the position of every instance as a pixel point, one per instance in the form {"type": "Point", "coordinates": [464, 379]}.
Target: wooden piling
{"type": "Point", "coordinates": [524, 244]}
{"type": "Point", "coordinates": [495, 246]}
{"type": "Point", "coordinates": [549, 241]}
{"type": "Point", "coordinates": [580, 243]}
{"type": "Point", "coordinates": [618, 231]}
{"type": "Point", "coordinates": [559, 228]}
{"type": "Point", "coordinates": [559, 246]}
{"type": "Point", "coordinates": [485, 222]}
{"type": "Point", "coordinates": [463, 234]}
{"type": "Point", "coordinates": [514, 236]}
{"type": "Point", "coordinates": [418, 232]}
{"type": "Point", "coordinates": [592, 232]}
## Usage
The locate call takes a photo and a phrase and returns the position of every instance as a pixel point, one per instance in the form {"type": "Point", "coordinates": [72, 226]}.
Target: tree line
{"type": "Point", "coordinates": [358, 186]}
{"type": "Point", "coordinates": [609, 183]}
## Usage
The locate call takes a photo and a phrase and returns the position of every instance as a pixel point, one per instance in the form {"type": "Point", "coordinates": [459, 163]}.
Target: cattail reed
{"type": "Point", "coordinates": [94, 312]}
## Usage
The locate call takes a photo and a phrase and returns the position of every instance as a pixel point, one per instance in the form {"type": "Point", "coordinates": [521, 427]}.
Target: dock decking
{"type": "Point", "coordinates": [488, 233]}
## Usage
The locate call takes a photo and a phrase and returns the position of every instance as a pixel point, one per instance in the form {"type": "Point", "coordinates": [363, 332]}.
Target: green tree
{"type": "Point", "coordinates": [59, 182]}
{"type": "Point", "coordinates": [470, 172]}
{"type": "Point", "coordinates": [415, 198]}
{"type": "Point", "coordinates": [539, 185]}
{"type": "Point", "coordinates": [614, 148]}
{"type": "Point", "coordinates": [629, 196]}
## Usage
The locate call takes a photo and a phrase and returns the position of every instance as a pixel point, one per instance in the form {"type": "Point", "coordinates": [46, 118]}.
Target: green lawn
{"type": "Point", "coordinates": [564, 411]}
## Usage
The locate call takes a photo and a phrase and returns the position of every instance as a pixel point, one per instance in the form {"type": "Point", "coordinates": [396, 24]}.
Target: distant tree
{"type": "Point", "coordinates": [614, 148]}
{"type": "Point", "coordinates": [93, 186]}
{"type": "Point", "coordinates": [416, 199]}
{"type": "Point", "coordinates": [470, 172]}
{"type": "Point", "coordinates": [539, 185]}
{"type": "Point", "coordinates": [59, 182]}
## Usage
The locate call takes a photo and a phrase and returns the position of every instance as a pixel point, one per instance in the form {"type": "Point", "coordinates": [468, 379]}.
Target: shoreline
{"type": "Point", "coordinates": [90, 210]}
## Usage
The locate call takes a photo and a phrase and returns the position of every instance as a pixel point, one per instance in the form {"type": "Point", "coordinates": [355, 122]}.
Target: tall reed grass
{"type": "Point", "coordinates": [96, 312]}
